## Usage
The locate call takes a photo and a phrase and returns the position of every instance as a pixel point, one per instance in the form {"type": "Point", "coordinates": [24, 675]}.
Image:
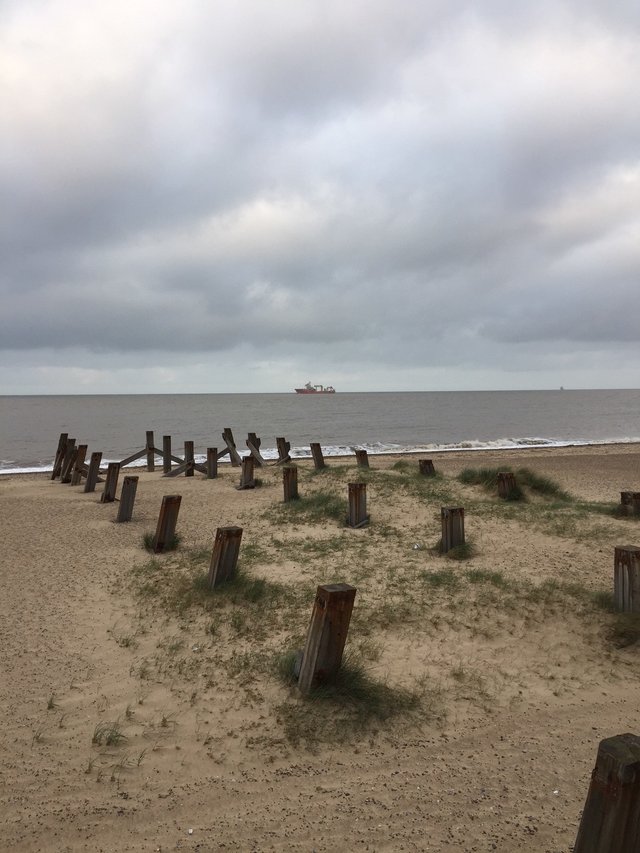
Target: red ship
{"type": "Point", "coordinates": [316, 389]}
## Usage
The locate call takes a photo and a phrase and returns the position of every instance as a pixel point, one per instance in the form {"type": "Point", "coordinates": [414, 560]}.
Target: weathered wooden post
{"type": "Point", "coordinates": [318, 458]}
{"type": "Point", "coordinates": [212, 462]}
{"type": "Point", "coordinates": [253, 443]}
{"type": "Point", "coordinates": [426, 467]}
{"type": "Point", "coordinates": [357, 516]}
{"type": "Point", "coordinates": [611, 817]}
{"type": "Point", "coordinates": [92, 473]}
{"type": "Point", "coordinates": [290, 483]}
{"type": "Point", "coordinates": [229, 440]}
{"type": "Point", "coordinates": [224, 557]}
{"type": "Point", "coordinates": [284, 447]}
{"type": "Point", "coordinates": [247, 480]}
{"type": "Point", "coordinates": [452, 527]}
{"type": "Point", "coordinates": [111, 482]}
{"type": "Point", "coordinates": [60, 452]}
{"type": "Point", "coordinates": [150, 448]}
{"type": "Point", "coordinates": [167, 521]}
{"type": "Point", "coordinates": [362, 458]}
{"type": "Point", "coordinates": [630, 502]}
{"type": "Point", "coordinates": [626, 578]}
{"type": "Point", "coordinates": [327, 635]}
{"type": "Point", "coordinates": [78, 465]}
{"type": "Point", "coordinates": [166, 454]}
{"type": "Point", "coordinates": [127, 498]}
{"type": "Point", "coordinates": [67, 466]}
{"type": "Point", "coordinates": [507, 486]}
{"type": "Point", "coordinates": [189, 458]}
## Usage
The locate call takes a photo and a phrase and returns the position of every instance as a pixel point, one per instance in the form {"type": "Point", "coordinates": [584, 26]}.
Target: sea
{"type": "Point", "coordinates": [380, 422]}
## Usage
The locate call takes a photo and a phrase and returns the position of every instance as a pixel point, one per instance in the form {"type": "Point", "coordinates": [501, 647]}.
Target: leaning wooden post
{"type": "Point", "coordinates": [362, 458]}
{"type": "Point", "coordinates": [150, 448]}
{"type": "Point", "coordinates": [167, 521]}
{"type": "Point", "coordinates": [212, 462]}
{"type": "Point", "coordinates": [611, 817]}
{"type": "Point", "coordinates": [426, 467]}
{"type": "Point", "coordinates": [92, 473]}
{"type": "Point", "coordinates": [318, 458]}
{"type": "Point", "coordinates": [630, 503]}
{"type": "Point", "coordinates": [507, 486]}
{"type": "Point", "coordinates": [327, 635]}
{"type": "Point", "coordinates": [452, 527]}
{"type": "Point", "coordinates": [188, 457]}
{"type": "Point", "coordinates": [111, 482]}
{"type": "Point", "coordinates": [253, 443]}
{"type": "Point", "coordinates": [166, 454]}
{"type": "Point", "coordinates": [60, 452]}
{"type": "Point", "coordinates": [81, 455]}
{"type": "Point", "coordinates": [67, 462]}
{"type": "Point", "coordinates": [626, 578]}
{"type": "Point", "coordinates": [224, 557]}
{"type": "Point", "coordinates": [229, 440]}
{"type": "Point", "coordinates": [284, 447]}
{"type": "Point", "coordinates": [127, 498]}
{"type": "Point", "coordinates": [357, 516]}
{"type": "Point", "coordinates": [290, 483]}
{"type": "Point", "coordinates": [247, 480]}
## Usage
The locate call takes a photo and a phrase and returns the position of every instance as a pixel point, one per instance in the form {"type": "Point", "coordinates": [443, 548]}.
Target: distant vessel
{"type": "Point", "coordinates": [316, 389]}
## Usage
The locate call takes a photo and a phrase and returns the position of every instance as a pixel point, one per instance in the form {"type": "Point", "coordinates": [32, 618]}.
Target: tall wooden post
{"type": "Point", "coordinates": [78, 465]}
{"type": "Point", "coordinates": [188, 457]}
{"type": "Point", "coordinates": [626, 578]}
{"type": "Point", "coordinates": [229, 440]}
{"type": "Point", "coordinates": [318, 458]}
{"type": "Point", "coordinates": [69, 462]}
{"type": "Point", "coordinates": [150, 448]}
{"type": "Point", "coordinates": [60, 452]}
{"type": "Point", "coordinates": [630, 502]}
{"type": "Point", "coordinates": [247, 480]}
{"type": "Point", "coordinates": [92, 473]}
{"type": "Point", "coordinates": [362, 458]}
{"type": "Point", "coordinates": [284, 447]}
{"type": "Point", "coordinates": [357, 516]}
{"type": "Point", "coordinates": [327, 635]}
{"type": "Point", "coordinates": [212, 462]}
{"type": "Point", "coordinates": [507, 486]}
{"type": "Point", "coordinates": [290, 483]}
{"type": "Point", "coordinates": [426, 467]}
{"type": "Point", "coordinates": [111, 482]}
{"type": "Point", "coordinates": [224, 557]}
{"type": "Point", "coordinates": [611, 817]}
{"type": "Point", "coordinates": [167, 521]}
{"type": "Point", "coordinates": [452, 527]}
{"type": "Point", "coordinates": [127, 498]}
{"type": "Point", "coordinates": [166, 454]}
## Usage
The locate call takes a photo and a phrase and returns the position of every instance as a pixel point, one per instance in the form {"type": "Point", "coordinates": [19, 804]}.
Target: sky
{"type": "Point", "coordinates": [245, 195]}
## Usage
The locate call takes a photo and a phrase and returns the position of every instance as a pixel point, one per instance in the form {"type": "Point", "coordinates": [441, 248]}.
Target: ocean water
{"type": "Point", "coordinates": [380, 422]}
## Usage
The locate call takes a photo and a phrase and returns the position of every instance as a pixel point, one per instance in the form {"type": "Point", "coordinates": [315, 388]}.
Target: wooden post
{"type": "Point", "coordinates": [452, 527]}
{"type": "Point", "coordinates": [327, 635]}
{"type": "Point", "coordinates": [283, 450]}
{"type": "Point", "coordinates": [166, 454]}
{"type": "Point", "coordinates": [426, 467]}
{"type": "Point", "coordinates": [188, 457]}
{"type": "Point", "coordinates": [60, 452]}
{"type": "Point", "coordinates": [507, 486]}
{"type": "Point", "coordinates": [92, 473]}
{"type": "Point", "coordinates": [109, 491]}
{"type": "Point", "coordinates": [362, 458]}
{"type": "Point", "coordinates": [150, 448]}
{"type": "Point", "coordinates": [611, 817]}
{"type": "Point", "coordinates": [630, 502]}
{"type": "Point", "coordinates": [626, 578]}
{"type": "Point", "coordinates": [212, 462]}
{"type": "Point", "coordinates": [127, 498]}
{"type": "Point", "coordinates": [78, 465]}
{"type": "Point", "coordinates": [69, 461]}
{"type": "Point", "coordinates": [246, 475]}
{"type": "Point", "coordinates": [253, 443]}
{"type": "Point", "coordinates": [357, 505]}
{"type": "Point", "coordinates": [290, 483]}
{"type": "Point", "coordinates": [167, 520]}
{"type": "Point", "coordinates": [318, 458]}
{"type": "Point", "coordinates": [224, 557]}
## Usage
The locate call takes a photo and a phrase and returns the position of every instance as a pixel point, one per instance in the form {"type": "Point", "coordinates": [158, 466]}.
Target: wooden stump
{"type": "Point", "coordinates": [92, 473]}
{"type": "Point", "coordinates": [189, 458]}
{"type": "Point", "coordinates": [224, 557]}
{"type": "Point", "coordinates": [212, 462]}
{"type": "Point", "coordinates": [150, 449]}
{"type": "Point", "coordinates": [357, 516]}
{"type": "Point", "coordinates": [166, 454]}
{"type": "Point", "coordinates": [452, 527]}
{"type": "Point", "coordinates": [426, 467]}
{"type": "Point", "coordinates": [247, 480]}
{"type": "Point", "coordinates": [127, 498]}
{"type": "Point", "coordinates": [227, 435]}
{"type": "Point", "coordinates": [60, 452]}
{"type": "Point", "coordinates": [611, 817]}
{"type": "Point", "coordinates": [362, 458]}
{"type": "Point", "coordinates": [507, 486]}
{"type": "Point", "coordinates": [318, 458]}
{"type": "Point", "coordinates": [68, 460]}
{"type": "Point", "coordinates": [283, 450]}
{"type": "Point", "coordinates": [167, 521]}
{"type": "Point", "coordinates": [110, 484]}
{"type": "Point", "coordinates": [78, 465]}
{"type": "Point", "coordinates": [290, 483]}
{"type": "Point", "coordinates": [626, 578]}
{"type": "Point", "coordinates": [630, 502]}
{"type": "Point", "coordinates": [327, 635]}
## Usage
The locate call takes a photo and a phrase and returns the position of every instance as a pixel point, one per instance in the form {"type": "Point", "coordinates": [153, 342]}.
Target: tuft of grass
{"type": "Point", "coordinates": [478, 576]}
{"type": "Point", "coordinates": [316, 507]}
{"type": "Point", "coordinates": [171, 545]}
{"type": "Point", "coordinates": [108, 733]}
{"type": "Point", "coordinates": [51, 702]}
{"type": "Point", "coordinates": [487, 477]}
{"type": "Point", "coordinates": [443, 579]}
{"type": "Point", "coordinates": [541, 485]}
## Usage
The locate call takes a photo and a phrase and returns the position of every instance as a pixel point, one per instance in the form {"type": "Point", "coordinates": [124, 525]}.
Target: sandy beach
{"type": "Point", "coordinates": [140, 712]}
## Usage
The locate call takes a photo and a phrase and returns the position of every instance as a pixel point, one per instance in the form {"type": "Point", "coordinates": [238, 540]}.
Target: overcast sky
{"type": "Point", "coordinates": [243, 195]}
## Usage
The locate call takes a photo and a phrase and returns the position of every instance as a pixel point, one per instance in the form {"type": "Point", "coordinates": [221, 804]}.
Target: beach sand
{"type": "Point", "coordinates": [138, 713]}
